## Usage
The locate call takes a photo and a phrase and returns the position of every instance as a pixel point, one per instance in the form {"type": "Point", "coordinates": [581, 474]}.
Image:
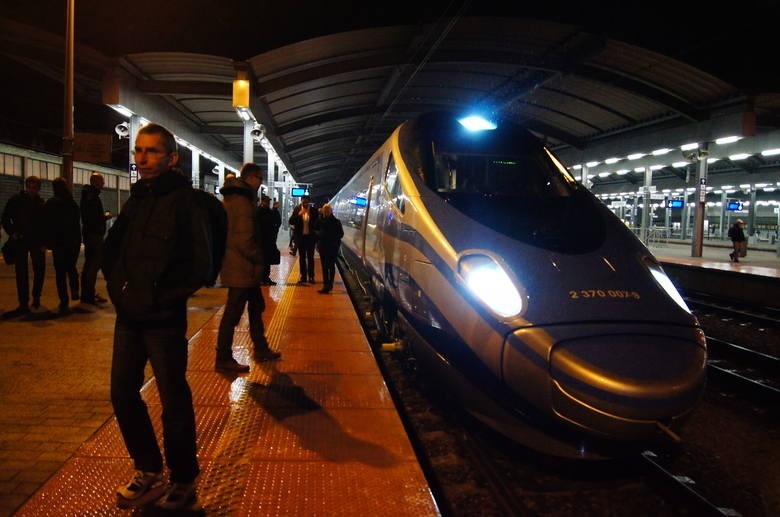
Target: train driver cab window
{"type": "Point", "coordinates": [393, 186]}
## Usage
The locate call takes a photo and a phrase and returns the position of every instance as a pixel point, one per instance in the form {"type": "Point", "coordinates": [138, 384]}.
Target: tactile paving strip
{"type": "Point", "coordinates": [315, 433]}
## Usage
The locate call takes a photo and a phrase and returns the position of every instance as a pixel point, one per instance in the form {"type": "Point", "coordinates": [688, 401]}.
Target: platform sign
{"type": "Point", "coordinates": [298, 192]}
{"type": "Point", "coordinates": [675, 203]}
{"type": "Point", "coordinates": [734, 206]}
{"type": "Point", "coordinates": [133, 173]}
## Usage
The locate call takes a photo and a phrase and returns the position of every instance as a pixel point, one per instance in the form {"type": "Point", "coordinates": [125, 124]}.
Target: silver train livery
{"type": "Point", "coordinates": [520, 292]}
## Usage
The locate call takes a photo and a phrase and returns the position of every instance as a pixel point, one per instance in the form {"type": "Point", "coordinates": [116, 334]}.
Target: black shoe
{"type": "Point", "coordinates": [100, 299]}
{"type": "Point", "coordinates": [230, 365]}
{"type": "Point", "coordinates": [302, 280]}
{"type": "Point", "coordinates": [311, 280]}
{"type": "Point", "coordinates": [266, 355]}
{"type": "Point", "coordinates": [324, 291]}
{"type": "Point", "coordinates": [270, 282]}
{"type": "Point", "coordinates": [75, 296]}
{"type": "Point", "coordinates": [64, 310]}
{"type": "Point", "coordinates": [19, 311]}
{"type": "Point", "coordinates": [36, 304]}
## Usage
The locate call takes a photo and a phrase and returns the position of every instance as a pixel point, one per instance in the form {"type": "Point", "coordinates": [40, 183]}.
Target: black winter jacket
{"type": "Point", "coordinates": [329, 235]}
{"type": "Point", "coordinates": [61, 216]}
{"type": "Point", "coordinates": [157, 253]}
{"type": "Point", "coordinates": [23, 215]}
{"type": "Point", "coordinates": [93, 218]}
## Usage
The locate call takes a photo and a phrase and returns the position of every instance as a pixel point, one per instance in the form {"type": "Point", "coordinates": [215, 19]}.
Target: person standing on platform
{"type": "Point", "coordinates": [63, 238]}
{"type": "Point", "coordinates": [329, 235]}
{"type": "Point", "coordinates": [242, 271]}
{"type": "Point", "coordinates": [267, 223]}
{"type": "Point", "coordinates": [155, 257]}
{"type": "Point", "coordinates": [738, 241]}
{"type": "Point", "coordinates": [22, 220]}
{"type": "Point", "coordinates": [93, 230]}
{"type": "Point", "coordinates": [304, 220]}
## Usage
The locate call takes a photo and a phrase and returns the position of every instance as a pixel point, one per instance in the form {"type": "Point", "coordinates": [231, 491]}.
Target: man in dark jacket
{"type": "Point", "coordinates": [156, 256]}
{"type": "Point", "coordinates": [22, 220]}
{"type": "Point", "coordinates": [304, 220]}
{"type": "Point", "coordinates": [738, 241]}
{"type": "Point", "coordinates": [93, 229]}
{"type": "Point", "coordinates": [267, 223]}
{"type": "Point", "coordinates": [63, 238]}
{"type": "Point", "coordinates": [329, 235]}
{"type": "Point", "coordinates": [242, 271]}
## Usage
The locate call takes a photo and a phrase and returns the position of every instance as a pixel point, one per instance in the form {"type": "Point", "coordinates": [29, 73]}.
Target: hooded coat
{"type": "Point", "coordinates": [243, 262]}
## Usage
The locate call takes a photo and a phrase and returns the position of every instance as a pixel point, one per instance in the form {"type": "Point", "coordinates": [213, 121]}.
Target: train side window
{"type": "Point", "coordinates": [392, 184]}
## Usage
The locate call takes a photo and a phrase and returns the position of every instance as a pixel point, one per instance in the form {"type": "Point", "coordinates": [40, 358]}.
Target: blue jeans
{"type": "Point", "coordinates": [165, 347]}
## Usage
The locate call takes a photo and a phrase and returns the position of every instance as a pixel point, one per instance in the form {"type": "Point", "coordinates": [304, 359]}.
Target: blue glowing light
{"type": "Point", "coordinates": [477, 123]}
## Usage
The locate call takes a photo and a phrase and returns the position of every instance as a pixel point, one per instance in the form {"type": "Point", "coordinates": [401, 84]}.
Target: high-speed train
{"type": "Point", "coordinates": [520, 292]}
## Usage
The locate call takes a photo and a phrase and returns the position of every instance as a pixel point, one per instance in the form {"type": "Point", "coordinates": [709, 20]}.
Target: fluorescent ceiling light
{"type": "Point", "coordinates": [635, 156]}
{"type": "Point", "coordinates": [610, 161]}
{"type": "Point", "coordinates": [689, 147]}
{"type": "Point", "coordinates": [739, 156]}
{"type": "Point", "coordinates": [727, 140]}
{"type": "Point", "coordinates": [659, 152]}
{"type": "Point", "coordinates": [771, 152]}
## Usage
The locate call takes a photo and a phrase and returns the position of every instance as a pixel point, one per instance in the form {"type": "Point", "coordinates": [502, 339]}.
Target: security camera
{"type": "Point", "coordinates": [215, 170]}
{"type": "Point", "coordinates": [122, 130]}
{"type": "Point", "coordinates": [257, 132]}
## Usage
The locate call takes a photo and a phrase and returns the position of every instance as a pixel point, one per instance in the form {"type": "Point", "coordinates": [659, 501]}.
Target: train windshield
{"type": "Point", "coordinates": [523, 176]}
{"type": "Point", "coordinates": [504, 179]}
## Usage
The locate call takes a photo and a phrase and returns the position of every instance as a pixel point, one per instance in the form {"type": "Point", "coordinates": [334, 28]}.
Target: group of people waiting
{"type": "Point", "coordinates": [59, 224]}
{"type": "Point", "coordinates": [316, 229]}
{"type": "Point", "coordinates": [158, 253]}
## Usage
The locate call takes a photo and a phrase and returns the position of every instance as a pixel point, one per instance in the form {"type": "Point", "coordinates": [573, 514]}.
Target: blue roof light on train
{"type": "Point", "coordinates": [477, 123]}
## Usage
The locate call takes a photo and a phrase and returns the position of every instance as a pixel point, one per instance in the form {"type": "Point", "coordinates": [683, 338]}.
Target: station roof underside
{"type": "Point", "coordinates": [327, 103]}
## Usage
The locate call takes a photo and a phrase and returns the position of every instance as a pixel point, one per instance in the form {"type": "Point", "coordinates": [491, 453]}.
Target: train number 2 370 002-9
{"type": "Point", "coordinates": [590, 294]}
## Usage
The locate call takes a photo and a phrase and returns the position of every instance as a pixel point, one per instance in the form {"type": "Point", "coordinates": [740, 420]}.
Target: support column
{"type": "Point", "coordinates": [270, 177]}
{"type": "Point", "coordinates": [249, 149]}
{"type": "Point", "coordinates": [195, 169]}
{"type": "Point", "coordinates": [721, 222]}
{"type": "Point", "coordinates": [646, 216]}
{"type": "Point", "coordinates": [700, 198]}
{"type": "Point", "coordinates": [133, 126]}
{"type": "Point", "coordinates": [751, 222]}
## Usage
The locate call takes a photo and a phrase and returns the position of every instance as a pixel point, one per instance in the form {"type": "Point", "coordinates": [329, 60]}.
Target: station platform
{"type": "Point", "coordinates": [754, 280]}
{"type": "Point", "coordinates": [315, 433]}
{"type": "Point", "coordinates": [759, 261]}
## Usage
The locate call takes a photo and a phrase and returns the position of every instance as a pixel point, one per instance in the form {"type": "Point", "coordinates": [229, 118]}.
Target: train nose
{"type": "Point", "coordinates": [621, 384]}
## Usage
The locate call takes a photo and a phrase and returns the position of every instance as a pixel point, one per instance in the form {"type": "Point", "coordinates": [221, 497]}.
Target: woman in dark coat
{"type": "Point", "coordinates": [329, 234]}
{"type": "Point", "coordinates": [62, 220]}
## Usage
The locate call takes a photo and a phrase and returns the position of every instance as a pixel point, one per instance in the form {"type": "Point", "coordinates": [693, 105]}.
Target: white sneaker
{"type": "Point", "coordinates": [139, 484]}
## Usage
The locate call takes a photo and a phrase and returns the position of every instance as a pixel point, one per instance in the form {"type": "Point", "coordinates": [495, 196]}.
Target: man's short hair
{"type": "Point", "coordinates": [169, 141]}
{"type": "Point", "coordinates": [32, 179]}
{"type": "Point", "coordinates": [250, 168]}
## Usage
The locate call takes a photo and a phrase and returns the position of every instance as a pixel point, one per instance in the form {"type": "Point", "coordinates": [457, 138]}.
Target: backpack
{"type": "Point", "coordinates": [216, 219]}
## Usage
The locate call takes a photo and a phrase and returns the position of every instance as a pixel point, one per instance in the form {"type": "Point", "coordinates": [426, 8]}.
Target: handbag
{"type": "Point", "coordinates": [9, 252]}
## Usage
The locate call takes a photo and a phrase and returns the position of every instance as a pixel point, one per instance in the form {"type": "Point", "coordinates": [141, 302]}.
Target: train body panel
{"type": "Point", "coordinates": [575, 322]}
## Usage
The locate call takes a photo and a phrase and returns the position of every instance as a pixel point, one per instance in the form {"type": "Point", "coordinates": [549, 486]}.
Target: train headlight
{"type": "Point", "coordinates": [666, 284]}
{"type": "Point", "coordinates": [491, 284]}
